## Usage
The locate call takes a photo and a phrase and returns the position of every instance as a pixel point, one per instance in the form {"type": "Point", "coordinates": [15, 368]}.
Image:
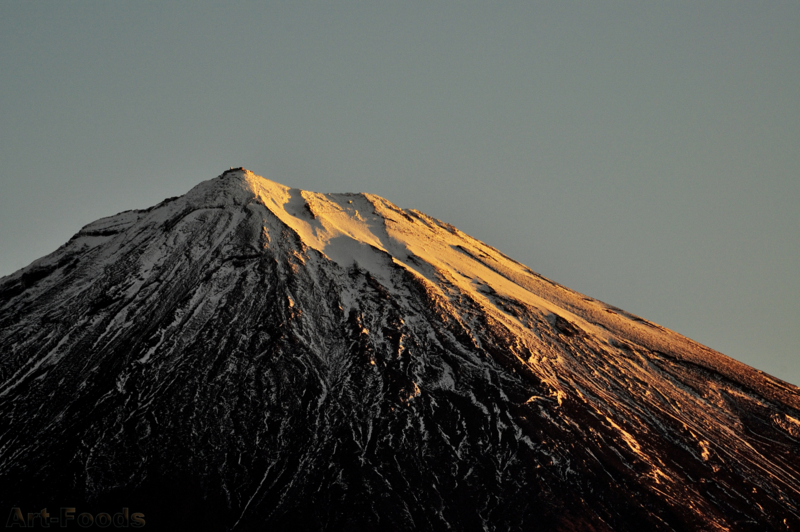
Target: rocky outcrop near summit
{"type": "Point", "coordinates": [254, 357]}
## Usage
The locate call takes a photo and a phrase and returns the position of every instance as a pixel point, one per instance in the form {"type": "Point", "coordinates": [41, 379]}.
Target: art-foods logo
{"type": "Point", "coordinates": [66, 516]}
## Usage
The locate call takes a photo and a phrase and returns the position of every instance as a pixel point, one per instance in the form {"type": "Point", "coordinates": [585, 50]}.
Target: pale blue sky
{"type": "Point", "coordinates": [643, 153]}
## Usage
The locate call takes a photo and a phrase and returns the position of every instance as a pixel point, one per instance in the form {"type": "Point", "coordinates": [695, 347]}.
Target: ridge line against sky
{"type": "Point", "coordinates": [644, 155]}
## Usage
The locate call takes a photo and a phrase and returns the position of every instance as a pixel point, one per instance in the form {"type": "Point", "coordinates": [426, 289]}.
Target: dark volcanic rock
{"type": "Point", "coordinates": [253, 357]}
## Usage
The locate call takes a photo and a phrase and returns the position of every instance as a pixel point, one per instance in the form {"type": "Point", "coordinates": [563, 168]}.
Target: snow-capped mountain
{"type": "Point", "coordinates": [250, 356]}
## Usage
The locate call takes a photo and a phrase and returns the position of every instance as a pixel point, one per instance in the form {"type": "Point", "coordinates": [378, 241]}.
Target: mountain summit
{"type": "Point", "coordinates": [251, 356]}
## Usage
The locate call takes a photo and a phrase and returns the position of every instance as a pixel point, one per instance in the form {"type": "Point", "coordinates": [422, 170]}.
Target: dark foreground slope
{"type": "Point", "coordinates": [253, 357]}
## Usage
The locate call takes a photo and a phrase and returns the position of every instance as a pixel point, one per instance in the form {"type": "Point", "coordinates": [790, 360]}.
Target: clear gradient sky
{"type": "Point", "coordinates": [644, 153]}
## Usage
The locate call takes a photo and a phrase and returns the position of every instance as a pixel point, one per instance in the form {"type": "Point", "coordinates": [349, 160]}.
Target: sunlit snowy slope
{"type": "Point", "coordinates": [255, 357]}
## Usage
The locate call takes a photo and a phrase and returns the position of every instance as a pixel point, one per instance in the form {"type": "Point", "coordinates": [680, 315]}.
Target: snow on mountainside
{"type": "Point", "coordinates": [272, 357]}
